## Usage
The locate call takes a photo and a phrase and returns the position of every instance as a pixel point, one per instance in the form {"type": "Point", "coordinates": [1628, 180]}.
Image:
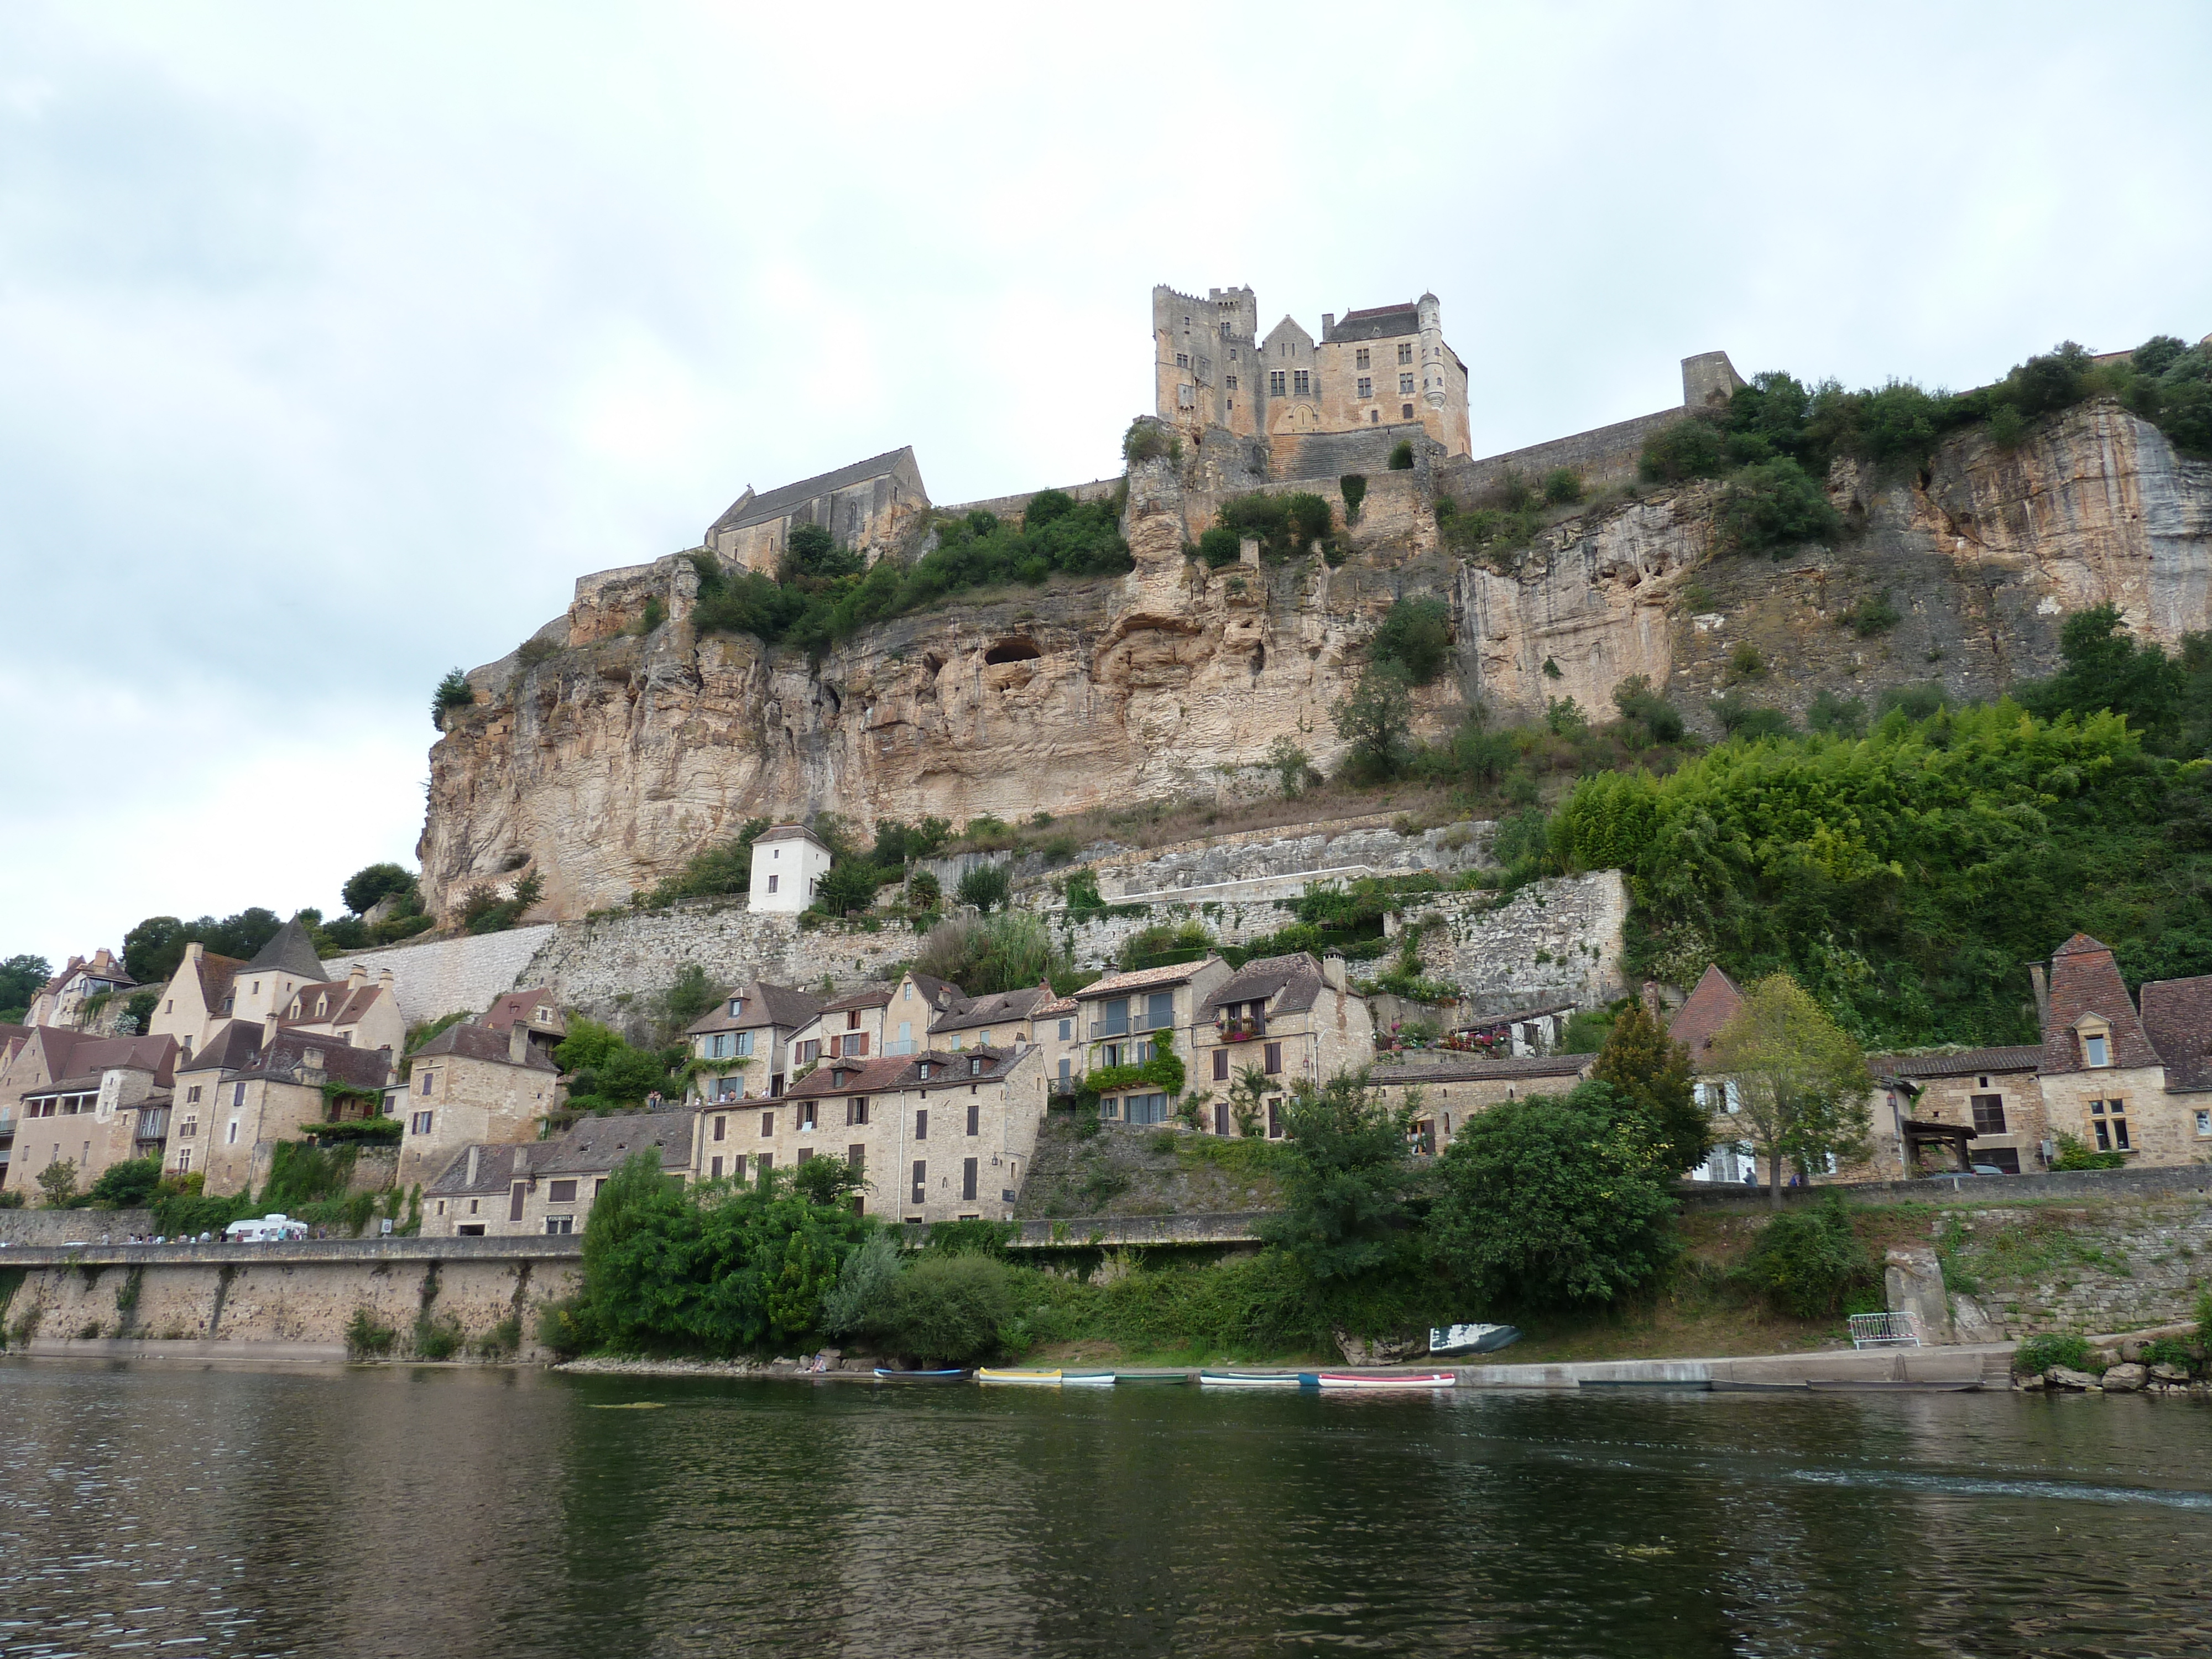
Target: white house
{"type": "Point", "coordinates": [787, 860]}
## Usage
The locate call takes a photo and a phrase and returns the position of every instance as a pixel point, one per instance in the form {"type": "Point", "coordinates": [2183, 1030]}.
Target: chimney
{"type": "Point", "coordinates": [2042, 997]}
{"type": "Point", "coordinates": [357, 977]}
{"type": "Point", "coordinates": [1651, 998]}
{"type": "Point", "coordinates": [194, 950]}
{"type": "Point", "coordinates": [1332, 971]}
{"type": "Point", "coordinates": [384, 979]}
{"type": "Point", "coordinates": [269, 1028]}
{"type": "Point", "coordinates": [474, 1153]}
{"type": "Point", "coordinates": [517, 1043]}
{"type": "Point", "coordinates": [1328, 324]}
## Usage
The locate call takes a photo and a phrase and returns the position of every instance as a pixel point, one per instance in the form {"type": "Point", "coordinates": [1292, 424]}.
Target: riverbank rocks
{"type": "Point", "coordinates": [2065, 1377]}
{"type": "Point", "coordinates": [2169, 1373]}
{"type": "Point", "coordinates": [2125, 1379]}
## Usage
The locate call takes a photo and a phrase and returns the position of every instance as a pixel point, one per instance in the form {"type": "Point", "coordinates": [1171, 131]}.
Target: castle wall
{"type": "Point", "coordinates": [871, 515]}
{"type": "Point", "coordinates": [450, 975]}
{"type": "Point", "coordinates": [1605, 456]}
{"type": "Point", "coordinates": [1012, 507]}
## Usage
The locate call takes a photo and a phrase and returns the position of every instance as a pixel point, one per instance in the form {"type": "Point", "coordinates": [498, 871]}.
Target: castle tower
{"type": "Point", "coordinates": [1432, 352]}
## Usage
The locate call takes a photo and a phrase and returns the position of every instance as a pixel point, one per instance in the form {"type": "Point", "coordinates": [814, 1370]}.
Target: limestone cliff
{"type": "Point", "coordinates": [603, 756]}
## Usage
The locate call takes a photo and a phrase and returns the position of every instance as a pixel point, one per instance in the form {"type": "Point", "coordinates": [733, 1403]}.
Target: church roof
{"type": "Point", "coordinates": [777, 503]}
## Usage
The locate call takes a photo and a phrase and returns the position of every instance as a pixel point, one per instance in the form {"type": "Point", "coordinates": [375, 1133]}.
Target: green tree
{"type": "Point", "coordinates": [1344, 1212]}
{"type": "Point", "coordinates": [21, 978]}
{"type": "Point", "coordinates": [1417, 637]}
{"type": "Point", "coordinates": [373, 882]}
{"type": "Point", "coordinates": [1775, 506]}
{"type": "Point", "coordinates": [947, 1309]}
{"type": "Point", "coordinates": [1651, 1073]}
{"type": "Point", "coordinates": [1687, 449]}
{"type": "Point", "coordinates": [2105, 669]}
{"type": "Point", "coordinates": [850, 886]}
{"type": "Point", "coordinates": [1550, 1202]}
{"type": "Point", "coordinates": [1375, 720]}
{"type": "Point", "coordinates": [985, 887]}
{"type": "Point", "coordinates": [453, 692]}
{"type": "Point", "coordinates": [1290, 763]}
{"type": "Point", "coordinates": [688, 996]}
{"type": "Point", "coordinates": [1807, 1261]}
{"type": "Point", "coordinates": [1802, 1083]}
{"type": "Point", "coordinates": [126, 1185]}
{"type": "Point", "coordinates": [58, 1180]}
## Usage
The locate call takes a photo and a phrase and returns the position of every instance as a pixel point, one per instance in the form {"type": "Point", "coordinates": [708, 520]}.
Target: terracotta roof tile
{"type": "Point", "coordinates": [1142, 979]}
{"type": "Point", "coordinates": [1710, 1006]}
{"type": "Point", "coordinates": [1963, 1063]}
{"type": "Point", "coordinates": [2085, 981]}
{"type": "Point", "coordinates": [2177, 1017]}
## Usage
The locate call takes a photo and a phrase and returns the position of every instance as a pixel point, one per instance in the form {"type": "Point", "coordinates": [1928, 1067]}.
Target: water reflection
{"type": "Point", "coordinates": [421, 1511]}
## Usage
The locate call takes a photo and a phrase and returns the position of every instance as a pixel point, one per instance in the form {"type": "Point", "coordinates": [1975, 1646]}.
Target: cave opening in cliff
{"type": "Point", "coordinates": [1015, 650]}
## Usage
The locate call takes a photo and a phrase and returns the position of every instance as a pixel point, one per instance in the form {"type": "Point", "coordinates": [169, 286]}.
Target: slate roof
{"type": "Point", "coordinates": [2085, 980]}
{"type": "Point", "coordinates": [994, 1010]}
{"type": "Point", "coordinates": [468, 1041]}
{"type": "Point", "coordinates": [1296, 976]}
{"type": "Point", "coordinates": [290, 951]}
{"type": "Point", "coordinates": [234, 1043]}
{"type": "Point", "coordinates": [898, 1072]}
{"type": "Point", "coordinates": [1710, 1006]}
{"type": "Point", "coordinates": [596, 1145]}
{"type": "Point", "coordinates": [2177, 1016]}
{"type": "Point", "coordinates": [1378, 323]}
{"type": "Point", "coordinates": [777, 503]}
{"type": "Point", "coordinates": [764, 1004]}
{"type": "Point", "coordinates": [877, 999]}
{"type": "Point", "coordinates": [495, 1170]}
{"type": "Point", "coordinates": [217, 973]}
{"type": "Point", "coordinates": [859, 1078]}
{"type": "Point", "coordinates": [1967, 1062]}
{"type": "Point", "coordinates": [77, 1061]}
{"type": "Point", "coordinates": [791, 832]}
{"type": "Point", "coordinates": [1142, 979]}
{"type": "Point", "coordinates": [238, 1048]}
{"type": "Point", "coordinates": [943, 994]}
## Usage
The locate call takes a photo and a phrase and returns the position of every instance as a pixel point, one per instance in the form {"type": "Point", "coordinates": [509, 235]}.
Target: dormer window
{"type": "Point", "coordinates": [736, 1007]}
{"type": "Point", "coordinates": [2096, 1049]}
{"type": "Point", "coordinates": [976, 1067]}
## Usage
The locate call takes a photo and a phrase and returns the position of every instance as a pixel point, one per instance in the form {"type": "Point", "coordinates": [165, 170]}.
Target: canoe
{"type": "Point", "coordinates": [1087, 1379]}
{"type": "Point", "coordinates": [1699, 1386]}
{"type": "Point", "coordinates": [1158, 1379]}
{"type": "Point", "coordinates": [1719, 1387]}
{"type": "Point", "coordinates": [1359, 1380]}
{"type": "Point", "coordinates": [1887, 1385]}
{"type": "Point", "coordinates": [883, 1374]}
{"type": "Point", "coordinates": [1249, 1379]}
{"type": "Point", "coordinates": [1448, 1340]}
{"type": "Point", "coordinates": [1035, 1379]}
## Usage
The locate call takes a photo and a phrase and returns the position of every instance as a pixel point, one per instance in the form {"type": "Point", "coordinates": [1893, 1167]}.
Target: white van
{"type": "Point", "coordinates": [270, 1229]}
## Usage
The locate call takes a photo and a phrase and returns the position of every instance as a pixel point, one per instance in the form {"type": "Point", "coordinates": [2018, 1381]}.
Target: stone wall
{"type": "Point", "coordinates": [48, 1227]}
{"type": "Point", "coordinates": [303, 1295]}
{"type": "Point", "coordinates": [1012, 507]}
{"type": "Point", "coordinates": [1605, 457]}
{"type": "Point", "coordinates": [451, 975]}
{"type": "Point", "coordinates": [1554, 941]}
{"type": "Point", "coordinates": [1367, 844]}
{"type": "Point", "coordinates": [2117, 1267]}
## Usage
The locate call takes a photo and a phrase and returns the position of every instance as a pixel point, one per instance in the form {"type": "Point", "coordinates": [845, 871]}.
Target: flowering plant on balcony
{"type": "Point", "coordinates": [1239, 1030]}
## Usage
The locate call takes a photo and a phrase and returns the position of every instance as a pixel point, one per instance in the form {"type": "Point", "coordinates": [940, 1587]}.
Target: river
{"type": "Point", "coordinates": [435, 1510]}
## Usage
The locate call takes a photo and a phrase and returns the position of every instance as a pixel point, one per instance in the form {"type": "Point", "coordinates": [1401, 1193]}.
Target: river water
{"type": "Point", "coordinates": [434, 1510]}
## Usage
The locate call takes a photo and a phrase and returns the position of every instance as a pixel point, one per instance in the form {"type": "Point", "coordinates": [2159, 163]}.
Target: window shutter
{"type": "Point", "coordinates": [975, 1120]}
{"type": "Point", "coordinates": [920, 1180]}
{"type": "Point", "coordinates": [968, 1177]}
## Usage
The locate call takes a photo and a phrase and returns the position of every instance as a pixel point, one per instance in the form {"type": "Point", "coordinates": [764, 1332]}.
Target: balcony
{"type": "Point", "coordinates": [1133, 1025]}
{"type": "Point", "coordinates": [1250, 1029]}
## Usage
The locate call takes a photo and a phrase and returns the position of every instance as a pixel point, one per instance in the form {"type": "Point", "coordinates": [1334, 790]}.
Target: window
{"type": "Point", "coordinates": [561, 1192]}
{"type": "Point", "coordinates": [715, 1170]}
{"type": "Point", "coordinates": [1221, 1065]}
{"type": "Point", "coordinates": [976, 1067]}
{"type": "Point", "coordinates": [1404, 351]}
{"type": "Point", "coordinates": [598, 1185]}
{"type": "Point", "coordinates": [1275, 378]}
{"type": "Point", "coordinates": [856, 1158]}
{"type": "Point", "coordinates": [763, 1162]}
{"type": "Point", "coordinates": [1144, 1108]}
{"type": "Point", "coordinates": [2096, 1050]}
{"type": "Point", "coordinates": [234, 1132]}
{"type": "Point", "coordinates": [1366, 385]}
{"type": "Point", "coordinates": [1185, 396]}
{"type": "Point", "coordinates": [1359, 359]}
{"type": "Point", "coordinates": [184, 1155]}
{"type": "Point", "coordinates": [238, 1094]}
{"type": "Point", "coordinates": [426, 1082]}
{"type": "Point", "coordinates": [921, 1124]}
{"type": "Point", "coordinates": [1232, 383]}
{"type": "Point", "coordinates": [856, 1111]}
{"type": "Point", "coordinates": [736, 1007]}
{"type": "Point", "coordinates": [1274, 1117]}
{"type": "Point", "coordinates": [806, 1117]}
{"type": "Point", "coordinates": [1274, 1058]}
{"type": "Point", "coordinates": [1405, 411]}
{"type": "Point", "coordinates": [555, 1225]}
{"type": "Point", "coordinates": [2108, 1122]}
{"type": "Point", "coordinates": [805, 1153]}
{"type": "Point", "coordinates": [968, 1178]}
{"type": "Point", "coordinates": [975, 1120]}
{"type": "Point", "coordinates": [419, 1124]}
{"type": "Point", "coordinates": [192, 1095]}
{"type": "Point", "coordinates": [722, 1124]}
{"type": "Point", "coordinates": [744, 1045]}
{"type": "Point", "coordinates": [2204, 1123]}
{"type": "Point", "coordinates": [920, 1180]}
{"type": "Point", "coordinates": [1301, 382]}
{"type": "Point", "coordinates": [771, 884]}
{"type": "Point", "coordinates": [1183, 360]}
{"type": "Point", "coordinates": [768, 1125]}
{"type": "Point", "coordinates": [1988, 1114]}
{"type": "Point", "coordinates": [1067, 1029]}
{"type": "Point", "coordinates": [1404, 385]}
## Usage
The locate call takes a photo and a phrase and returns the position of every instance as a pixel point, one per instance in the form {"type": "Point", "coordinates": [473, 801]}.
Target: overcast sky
{"type": "Point", "coordinates": [337, 342]}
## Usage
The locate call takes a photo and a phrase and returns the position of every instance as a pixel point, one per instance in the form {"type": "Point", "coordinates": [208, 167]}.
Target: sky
{"type": "Point", "coordinates": [337, 342]}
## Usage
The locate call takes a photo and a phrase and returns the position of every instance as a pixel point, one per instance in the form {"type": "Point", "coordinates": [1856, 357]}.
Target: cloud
{"type": "Point", "coordinates": [339, 342]}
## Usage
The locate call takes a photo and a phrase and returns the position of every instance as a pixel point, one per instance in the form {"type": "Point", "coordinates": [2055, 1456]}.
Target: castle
{"type": "Point", "coordinates": [1386, 370]}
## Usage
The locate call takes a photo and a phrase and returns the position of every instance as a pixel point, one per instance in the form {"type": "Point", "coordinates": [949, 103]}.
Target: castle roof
{"type": "Point", "coordinates": [290, 950]}
{"type": "Point", "coordinates": [777, 503]}
{"type": "Point", "coordinates": [1377, 322]}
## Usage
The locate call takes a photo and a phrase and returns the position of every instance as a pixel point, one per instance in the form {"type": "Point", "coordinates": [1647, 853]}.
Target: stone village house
{"type": "Point", "coordinates": [471, 1084]}
{"type": "Point", "coordinates": [252, 1086]}
{"type": "Point", "coordinates": [83, 995]}
{"type": "Point", "coordinates": [68, 1096]}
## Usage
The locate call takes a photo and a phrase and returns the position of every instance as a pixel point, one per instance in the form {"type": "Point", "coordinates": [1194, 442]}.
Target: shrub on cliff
{"type": "Point", "coordinates": [1285, 527]}
{"type": "Point", "coordinates": [1687, 449]}
{"type": "Point", "coordinates": [1416, 635]}
{"type": "Point", "coordinates": [453, 692]}
{"type": "Point", "coordinates": [1773, 507]}
{"type": "Point", "coordinates": [1807, 1263]}
{"type": "Point", "coordinates": [1375, 720]}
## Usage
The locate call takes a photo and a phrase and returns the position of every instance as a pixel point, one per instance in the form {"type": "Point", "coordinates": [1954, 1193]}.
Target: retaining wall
{"type": "Point", "coordinates": [1559, 940]}
{"type": "Point", "coordinates": [51, 1227]}
{"type": "Point", "coordinates": [450, 975]}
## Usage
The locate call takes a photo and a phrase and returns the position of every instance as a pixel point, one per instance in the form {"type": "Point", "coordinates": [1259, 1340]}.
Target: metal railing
{"type": "Point", "coordinates": [1134, 1025]}
{"type": "Point", "coordinates": [1885, 1330]}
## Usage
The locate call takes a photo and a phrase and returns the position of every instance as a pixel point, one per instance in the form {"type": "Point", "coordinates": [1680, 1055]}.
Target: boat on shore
{"type": "Point", "coordinates": [1248, 1379]}
{"type": "Point", "coordinates": [1152, 1379]}
{"type": "Point", "coordinates": [1364, 1380]}
{"type": "Point", "coordinates": [884, 1374]}
{"type": "Point", "coordinates": [1448, 1341]}
{"type": "Point", "coordinates": [1033, 1379]}
{"type": "Point", "coordinates": [1087, 1379]}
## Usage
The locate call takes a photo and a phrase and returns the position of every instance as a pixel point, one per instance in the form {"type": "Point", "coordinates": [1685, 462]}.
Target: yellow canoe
{"type": "Point", "coordinates": [1039, 1379]}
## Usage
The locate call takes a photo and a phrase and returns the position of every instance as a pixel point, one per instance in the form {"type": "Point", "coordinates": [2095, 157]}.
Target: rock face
{"type": "Point", "coordinates": [602, 757]}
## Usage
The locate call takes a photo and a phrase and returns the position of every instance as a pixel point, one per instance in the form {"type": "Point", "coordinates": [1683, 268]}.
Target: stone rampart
{"type": "Point", "coordinates": [1605, 457]}
{"type": "Point", "coordinates": [1012, 507]}
{"type": "Point", "coordinates": [37, 1228]}
{"type": "Point", "coordinates": [301, 1297]}
{"type": "Point", "coordinates": [450, 976]}
{"type": "Point", "coordinates": [1552, 942]}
